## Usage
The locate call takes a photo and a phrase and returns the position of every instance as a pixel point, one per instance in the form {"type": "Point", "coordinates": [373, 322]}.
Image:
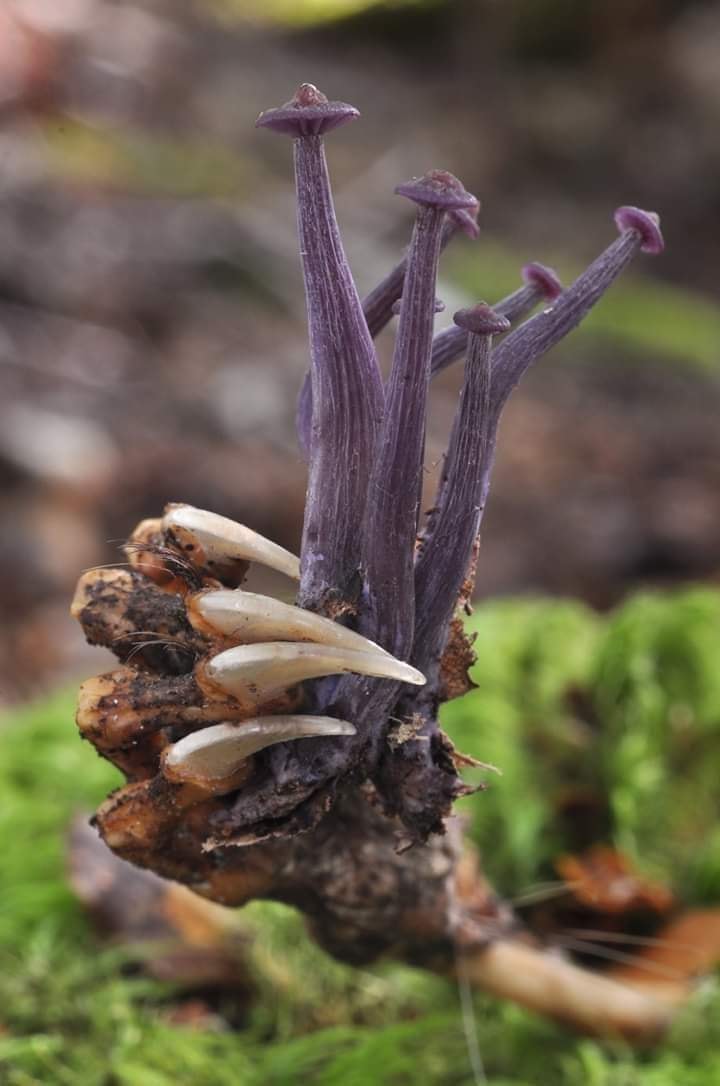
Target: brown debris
{"type": "Point", "coordinates": [604, 881]}
{"type": "Point", "coordinates": [681, 951]}
{"type": "Point", "coordinates": [148, 553]}
{"type": "Point", "coordinates": [403, 731]}
{"type": "Point", "coordinates": [458, 657]}
{"type": "Point", "coordinates": [126, 612]}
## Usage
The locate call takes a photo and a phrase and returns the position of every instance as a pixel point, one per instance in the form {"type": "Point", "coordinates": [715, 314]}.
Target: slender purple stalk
{"type": "Point", "coordinates": [366, 462]}
{"type": "Point", "coordinates": [379, 308]}
{"type": "Point", "coordinates": [378, 304]}
{"type": "Point", "coordinates": [444, 558]}
{"type": "Point", "coordinates": [394, 495]}
{"type": "Point", "coordinates": [347, 395]}
{"type": "Point", "coordinates": [303, 415]}
{"type": "Point", "coordinates": [540, 283]}
{"type": "Point", "coordinates": [511, 359]}
{"type": "Point", "coordinates": [639, 231]}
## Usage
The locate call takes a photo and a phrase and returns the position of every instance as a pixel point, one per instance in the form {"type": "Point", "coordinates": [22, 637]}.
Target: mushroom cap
{"type": "Point", "coordinates": [465, 220]}
{"type": "Point", "coordinates": [644, 223]}
{"type": "Point", "coordinates": [481, 320]}
{"type": "Point", "coordinates": [438, 189]}
{"type": "Point", "coordinates": [544, 278]}
{"type": "Point", "coordinates": [309, 113]}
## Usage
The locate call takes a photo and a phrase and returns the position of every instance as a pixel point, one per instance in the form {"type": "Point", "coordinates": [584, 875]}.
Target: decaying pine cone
{"type": "Point", "coordinates": [212, 678]}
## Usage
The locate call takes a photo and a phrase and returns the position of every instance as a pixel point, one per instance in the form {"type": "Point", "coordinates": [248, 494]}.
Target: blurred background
{"type": "Point", "coordinates": [152, 343]}
{"type": "Point", "coordinates": [152, 333]}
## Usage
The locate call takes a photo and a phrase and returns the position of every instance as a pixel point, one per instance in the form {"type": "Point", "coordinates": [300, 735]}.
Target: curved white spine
{"type": "Point", "coordinates": [257, 673]}
{"type": "Point", "coordinates": [250, 617]}
{"type": "Point", "coordinates": [216, 753]}
{"type": "Point", "coordinates": [221, 541]}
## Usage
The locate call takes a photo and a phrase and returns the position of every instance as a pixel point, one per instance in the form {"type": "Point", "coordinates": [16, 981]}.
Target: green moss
{"type": "Point", "coordinates": [626, 709]}
{"type": "Point", "coordinates": [531, 655]}
{"type": "Point", "coordinates": [562, 694]}
{"type": "Point", "coordinates": [656, 686]}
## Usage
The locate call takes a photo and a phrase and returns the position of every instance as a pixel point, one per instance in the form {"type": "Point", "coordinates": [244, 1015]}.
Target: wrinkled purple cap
{"type": "Point", "coordinates": [481, 320]}
{"type": "Point", "coordinates": [644, 223]}
{"type": "Point", "coordinates": [542, 278]}
{"type": "Point", "coordinates": [309, 113]}
{"type": "Point", "coordinates": [441, 190]}
{"type": "Point", "coordinates": [465, 219]}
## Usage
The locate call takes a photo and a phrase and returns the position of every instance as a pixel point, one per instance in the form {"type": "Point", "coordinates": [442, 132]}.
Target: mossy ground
{"type": "Point", "coordinates": [627, 706]}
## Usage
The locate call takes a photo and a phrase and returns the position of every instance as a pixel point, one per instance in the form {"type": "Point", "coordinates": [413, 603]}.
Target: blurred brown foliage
{"type": "Point", "coordinates": [151, 310]}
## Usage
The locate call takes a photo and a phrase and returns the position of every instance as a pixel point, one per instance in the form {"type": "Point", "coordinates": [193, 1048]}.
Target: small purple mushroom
{"type": "Point", "coordinates": [365, 556]}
